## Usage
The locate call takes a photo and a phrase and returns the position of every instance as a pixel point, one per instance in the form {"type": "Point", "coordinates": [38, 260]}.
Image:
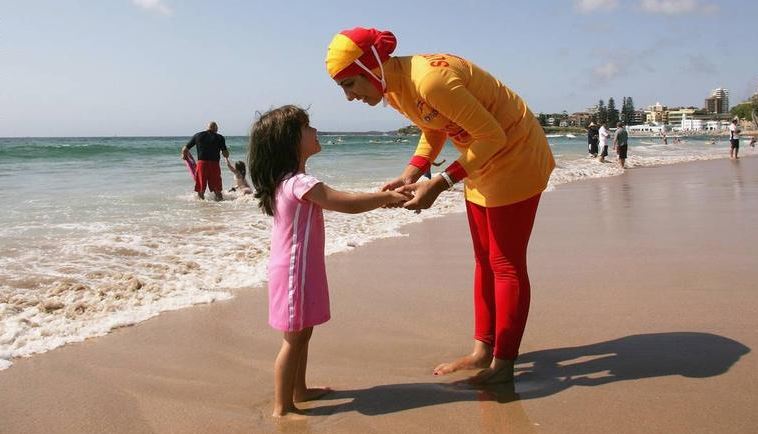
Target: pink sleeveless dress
{"type": "Point", "coordinates": [297, 285]}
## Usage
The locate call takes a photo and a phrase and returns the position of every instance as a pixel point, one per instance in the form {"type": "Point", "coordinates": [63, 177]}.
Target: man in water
{"type": "Point", "coordinates": [210, 144]}
{"type": "Point", "coordinates": [620, 142]}
{"type": "Point", "coordinates": [603, 137]}
{"type": "Point", "coordinates": [734, 139]}
{"type": "Point", "coordinates": [592, 139]}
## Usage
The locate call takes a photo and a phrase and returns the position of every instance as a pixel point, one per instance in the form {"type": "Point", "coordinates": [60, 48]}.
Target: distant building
{"type": "Point", "coordinates": [579, 119]}
{"type": "Point", "coordinates": [718, 102]}
{"type": "Point", "coordinates": [678, 114]}
{"type": "Point", "coordinates": [657, 114]}
{"type": "Point", "coordinates": [693, 124]}
{"type": "Point", "coordinates": [647, 128]}
{"type": "Point", "coordinates": [638, 117]}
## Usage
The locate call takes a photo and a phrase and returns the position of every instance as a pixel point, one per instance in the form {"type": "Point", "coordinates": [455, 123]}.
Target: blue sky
{"type": "Point", "coordinates": [166, 67]}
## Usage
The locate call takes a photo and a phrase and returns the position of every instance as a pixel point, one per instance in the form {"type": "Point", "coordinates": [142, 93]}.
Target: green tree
{"type": "Point", "coordinates": [543, 119]}
{"type": "Point", "coordinates": [627, 110]}
{"type": "Point", "coordinates": [613, 113]}
{"type": "Point", "coordinates": [409, 130]}
{"type": "Point", "coordinates": [743, 111]}
{"type": "Point", "coordinates": [602, 112]}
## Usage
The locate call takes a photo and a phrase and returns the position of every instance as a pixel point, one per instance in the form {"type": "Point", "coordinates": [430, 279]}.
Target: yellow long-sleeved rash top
{"type": "Point", "coordinates": [503, 148]}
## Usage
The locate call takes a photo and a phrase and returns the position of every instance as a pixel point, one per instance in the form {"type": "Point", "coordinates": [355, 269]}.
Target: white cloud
{"type": "Point", "coordinates": [154, 6]}
{"type": "Point", "coordinates": [676, 7]}
{"type": "Point", "coordinates": [587, 6]}
{"type": "Point", "coordinates": [606, 71]}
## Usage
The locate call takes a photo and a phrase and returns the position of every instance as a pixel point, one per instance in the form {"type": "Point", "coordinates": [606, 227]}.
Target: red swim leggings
{"type": "Point", "coordinates": [501, 283]}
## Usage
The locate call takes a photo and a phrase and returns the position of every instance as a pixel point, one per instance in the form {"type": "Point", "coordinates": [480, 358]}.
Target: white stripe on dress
{"type": "Point", "coordinates": [305, 261]}
{"type": "Point", "coordinates": [291, 281]}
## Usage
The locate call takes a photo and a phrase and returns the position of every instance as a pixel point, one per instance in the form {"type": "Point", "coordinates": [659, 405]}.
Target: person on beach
{"type": "Point", "coordinates": [241, 186]}
{"type": "Point", "coordinates": [752, 142]}
{"type": "Point", "coordinates": [620, 142]}
{"type": "Point", "coordinates": [734, 139]}
{"type": "Point", "coordinates": [210, 144]}
{"type": "Point", "coordinates": [505, 164]}
{"type": "Point", "coordinates": [281, 142]}
{"type": "Point", "coordinates": [592, 139]}
{"type": "Point", "coordinates": [603, 136]}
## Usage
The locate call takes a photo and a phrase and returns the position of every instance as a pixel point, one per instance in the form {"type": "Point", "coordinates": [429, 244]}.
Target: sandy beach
{"type": "Point", "coordinates": [643, 319]}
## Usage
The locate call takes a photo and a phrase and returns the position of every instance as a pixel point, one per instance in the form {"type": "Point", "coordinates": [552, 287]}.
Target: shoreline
{"type": "Point", "coordinates": [399, 232]}
{"type": "Point", "coordinates": [634, 277]}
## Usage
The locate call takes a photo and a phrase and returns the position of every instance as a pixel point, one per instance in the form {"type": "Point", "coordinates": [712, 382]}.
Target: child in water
{"type": "Point", "coordinates": [281, 142]}
{"type": "Point", "coordinates": [239, 171]}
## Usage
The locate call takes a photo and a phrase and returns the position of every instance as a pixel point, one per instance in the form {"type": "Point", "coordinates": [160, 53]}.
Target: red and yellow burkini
{"type": "Point", "coordinates": [505, 162]}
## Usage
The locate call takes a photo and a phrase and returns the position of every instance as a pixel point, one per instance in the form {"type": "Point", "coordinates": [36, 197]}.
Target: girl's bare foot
{"type": "Point", "coordinates": [499, 371]}
{"type": "Point", "coordinates": [311, 393]}
{"type": "Point", "coordinates": [480, 358]}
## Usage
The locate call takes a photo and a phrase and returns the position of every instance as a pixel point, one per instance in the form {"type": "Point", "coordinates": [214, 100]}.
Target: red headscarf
{"type": "Point", "coordinates": [370, 47]}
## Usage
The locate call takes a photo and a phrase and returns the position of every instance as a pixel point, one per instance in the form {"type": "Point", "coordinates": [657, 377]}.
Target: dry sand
{"type": "Point", "coordinates": [644, 314]}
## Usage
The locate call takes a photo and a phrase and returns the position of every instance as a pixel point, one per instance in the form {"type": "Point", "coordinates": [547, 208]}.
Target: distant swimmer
{"type": "Point", "coordinates": [241, 186]}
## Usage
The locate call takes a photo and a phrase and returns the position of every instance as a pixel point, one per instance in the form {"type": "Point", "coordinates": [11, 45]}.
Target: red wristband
{"type": "Point", "coordinates": [456, 171]}
{"type": "Point", "coordinates": [422, 163]}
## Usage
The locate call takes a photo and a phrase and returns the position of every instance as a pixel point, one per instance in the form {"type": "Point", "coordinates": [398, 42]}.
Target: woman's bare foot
{"type": "Point", "coordinates": [288, 413]}
{"type": "Point", "coordinates": [500, 371]}
{"type": "Point", "coordinates": [311, 393]}
{"type": "Point", "coordinates": [480, 358]}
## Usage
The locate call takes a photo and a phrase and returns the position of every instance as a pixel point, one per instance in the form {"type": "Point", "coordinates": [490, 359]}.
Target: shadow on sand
{"type": "Point", "coordinates": [547, 372]}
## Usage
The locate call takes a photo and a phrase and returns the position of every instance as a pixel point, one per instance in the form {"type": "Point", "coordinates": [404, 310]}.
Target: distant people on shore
{"type": "Point", "coordinates": [620, 143]}
{"type": "Point", "coordinates": [592, 139]}
{"type": "Point", "coordinates": [281, 142]}
{"type": "Point", "coordinates": [603, 136]}
{"type": "Point", "coordinates": [752, 142]}
{"type": "Point", "coordinates": [665, 139]}
{"type": "Point", "coordinates": [210, 145]}
{"type": "Point", "coordinates": [734, 139]}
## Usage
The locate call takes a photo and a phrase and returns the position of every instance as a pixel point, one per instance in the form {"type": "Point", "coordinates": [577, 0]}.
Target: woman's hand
{"type": "Point", "coordinates": [409, 176]}
{"type": "Point", "coordinates": [397, 183]}
{"type": "Point", "coordinates": [425, 193]}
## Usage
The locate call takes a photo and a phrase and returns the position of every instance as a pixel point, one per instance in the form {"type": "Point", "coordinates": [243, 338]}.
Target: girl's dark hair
{"type": "Point", "coordinates": [275, 151]}
{"type": "Point", "coordinates": [239, 166]}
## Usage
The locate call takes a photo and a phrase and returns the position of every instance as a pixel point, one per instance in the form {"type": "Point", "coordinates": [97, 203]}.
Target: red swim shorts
{"type": "Point", "coordinates": [208, 174]}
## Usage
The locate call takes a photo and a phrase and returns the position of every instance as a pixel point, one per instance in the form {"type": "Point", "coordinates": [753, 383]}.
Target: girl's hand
{"type": "Point", "coordinates": [397, 199]}
{"type": "Point", "coordinates": [425, 193]}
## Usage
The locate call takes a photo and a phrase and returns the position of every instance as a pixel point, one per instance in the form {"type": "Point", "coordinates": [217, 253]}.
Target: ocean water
{"type": "Point", "coordinates": [100, 233]}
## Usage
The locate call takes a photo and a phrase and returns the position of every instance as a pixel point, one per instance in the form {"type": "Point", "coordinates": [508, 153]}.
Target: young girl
{"type": "Point", "coordinates": [280, 144]}
{"type": "Point", "coordinates": [241, 186]}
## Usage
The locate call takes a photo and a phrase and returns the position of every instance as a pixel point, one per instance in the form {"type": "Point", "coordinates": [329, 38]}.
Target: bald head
{"type": "Point", "coordinates": [212, 127]}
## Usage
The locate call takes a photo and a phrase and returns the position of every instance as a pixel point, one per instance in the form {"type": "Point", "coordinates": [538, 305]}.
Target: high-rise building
{"type": "Point", "coordinates": [718, 102]}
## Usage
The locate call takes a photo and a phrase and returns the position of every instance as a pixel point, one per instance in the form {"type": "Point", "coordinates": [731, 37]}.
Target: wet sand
{"type": "Point", "coordinates": [643, 319]}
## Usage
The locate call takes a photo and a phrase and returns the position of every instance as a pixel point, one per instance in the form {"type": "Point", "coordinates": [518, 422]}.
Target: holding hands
{"type": "Point", "coordinates": [419, 194]}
